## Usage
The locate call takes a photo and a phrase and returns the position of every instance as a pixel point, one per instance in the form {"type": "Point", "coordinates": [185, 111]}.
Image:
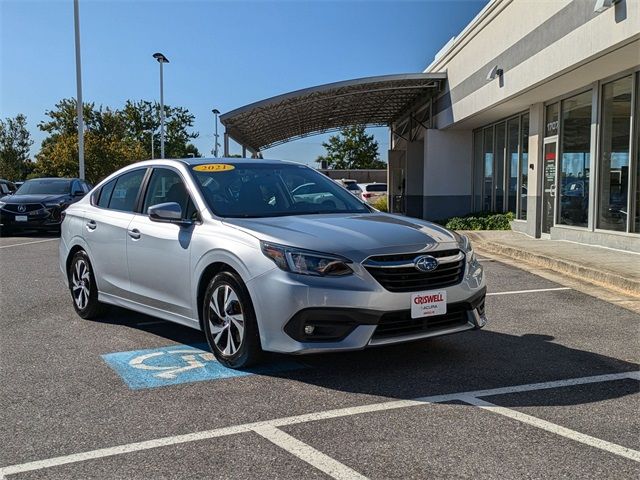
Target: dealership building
{"type": "Point", "coordinates": [532, 109]}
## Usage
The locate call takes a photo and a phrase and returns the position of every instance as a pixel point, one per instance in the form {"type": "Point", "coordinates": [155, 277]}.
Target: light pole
{"type": "Point", "coordinates": [76, 24]}
{"type": "Point", "coordinates": [215, 112]}
{"type": "Point", "coordinates": [152, 148]}
{"type": "Point", "coordinates": [161, 60]}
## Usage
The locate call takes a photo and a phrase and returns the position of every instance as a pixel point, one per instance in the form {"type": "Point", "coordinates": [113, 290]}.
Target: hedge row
{"type": "Point", "coordinates": [480, 221]}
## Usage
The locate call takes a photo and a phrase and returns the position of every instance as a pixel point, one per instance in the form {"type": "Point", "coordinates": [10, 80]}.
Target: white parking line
{"type": "Point", "coordinates": [304, 452]}
{"type": "Point", "coordinates": [309, 417]}
{"type": "Point", "coordinates": [28, 243]}
{"type": "Point", "coordinates": [557, 429]}
{"type": "Point", "coordinates": [513, 292]}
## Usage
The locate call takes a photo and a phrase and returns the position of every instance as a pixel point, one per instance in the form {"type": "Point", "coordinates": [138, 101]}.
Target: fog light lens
{"type": "Point", "coordinates": [309, 329]}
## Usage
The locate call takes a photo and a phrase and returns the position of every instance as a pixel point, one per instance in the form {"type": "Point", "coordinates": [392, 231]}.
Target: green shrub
{"type": "Point", "coordinates": [480, 221]}
{"type": "Point", "coordinates": [381, 204]}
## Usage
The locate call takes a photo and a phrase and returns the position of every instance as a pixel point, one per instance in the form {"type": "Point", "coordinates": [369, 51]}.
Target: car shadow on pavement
{"type": "Point", "coordinates": [474, 360]}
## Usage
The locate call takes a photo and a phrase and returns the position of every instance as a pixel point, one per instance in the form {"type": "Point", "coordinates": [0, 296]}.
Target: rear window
{"type": "Point", "coordinates": [378, 187]}
{"type": "Point", "coordinates": [352, 186]}
{"type": "Point", "coordinates": [126, 190]}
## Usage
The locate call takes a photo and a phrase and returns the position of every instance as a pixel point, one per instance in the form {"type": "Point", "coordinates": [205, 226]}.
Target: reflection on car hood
{"type": "Point", "coordinates": [352, 235]}
{"type": "Point", "coordinates": [39, 198]}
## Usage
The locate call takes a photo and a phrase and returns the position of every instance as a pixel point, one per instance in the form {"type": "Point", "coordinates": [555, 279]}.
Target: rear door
{"type": "Point", "coordinates": [105, 229]}
{"type": "Point", "coordinates": [159, 253]}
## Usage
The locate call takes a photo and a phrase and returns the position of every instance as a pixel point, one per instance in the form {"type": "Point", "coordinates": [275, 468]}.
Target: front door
{"type": "Point", "coordinates": [158, 254]}
{"type": "Point", "coordinates": [549, 184]}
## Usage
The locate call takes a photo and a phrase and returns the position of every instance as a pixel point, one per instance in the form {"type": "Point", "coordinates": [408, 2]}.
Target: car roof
{"type": "Point", "coordinates": [52, 178]}
{"type": "Point", "coordinates": [235, 161]}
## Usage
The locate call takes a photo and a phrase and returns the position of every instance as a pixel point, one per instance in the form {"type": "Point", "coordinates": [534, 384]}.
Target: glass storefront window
{"type": "Point", "coordinates": [575, 144]}
{"type": "Point", "coordinates": [487, 153]}
{"type": "Point", "coordinates": [513, 137]}
{"type": "Point", "coordinates": [499, 166]}
{"type": "Point", "coordinates": [477, 170]}
{"type": "Point", "coordinates": [613, 193]}
{"type": "Point", "coordinates": [552, 120]}
{"type": "Point", "coordinates": [524, 166]}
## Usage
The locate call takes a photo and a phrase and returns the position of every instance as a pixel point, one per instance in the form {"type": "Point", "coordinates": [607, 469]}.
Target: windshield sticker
{"type": "Point", "coordinates": [213, 167]}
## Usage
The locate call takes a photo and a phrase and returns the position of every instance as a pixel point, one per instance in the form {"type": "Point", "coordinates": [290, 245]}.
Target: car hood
{"type": "Point", "coordinates": [352, 235]}
{"type": "Point", "coordinates": [40, 198]}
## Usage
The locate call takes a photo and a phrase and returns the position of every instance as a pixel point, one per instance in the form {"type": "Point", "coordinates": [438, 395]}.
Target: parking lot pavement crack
{"type": "Point", "coordinates": [308, 454]}
{"type": "Point", "coordinates": [553, 428]}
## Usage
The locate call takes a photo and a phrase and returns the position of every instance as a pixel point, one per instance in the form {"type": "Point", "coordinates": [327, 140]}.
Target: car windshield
{"type": "Point", "coordinates": [51, 186]}
{"type": "Point", "coordinates": [352, 186]}
{"type": "Point", "coordinates": [270, 190]}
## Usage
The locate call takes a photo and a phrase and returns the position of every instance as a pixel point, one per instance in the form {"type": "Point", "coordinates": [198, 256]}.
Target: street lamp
{"type": "Point", "coordinates": [76, 25]}
{"type": "Point", "coordinates": [215, 112]}
{"type": "Point", "coordinates": [161, 60]}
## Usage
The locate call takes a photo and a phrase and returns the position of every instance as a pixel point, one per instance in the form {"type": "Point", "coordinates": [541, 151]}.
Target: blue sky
{"type": "Point", "coordinates": [222, 54]}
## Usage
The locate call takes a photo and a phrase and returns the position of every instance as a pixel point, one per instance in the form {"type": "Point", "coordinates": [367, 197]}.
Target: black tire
{"type": "Point", "coordinates": [232, 347]}
{"type": "Point", "coordinates": [82, 285]}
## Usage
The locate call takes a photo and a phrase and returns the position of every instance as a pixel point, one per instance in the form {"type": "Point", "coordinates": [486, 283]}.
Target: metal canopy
{"type": "Point", "coordinates": [371, 101]}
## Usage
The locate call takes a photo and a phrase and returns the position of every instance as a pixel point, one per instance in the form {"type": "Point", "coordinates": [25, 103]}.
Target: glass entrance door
{"type": "Point", "coordinates": [549, 184]}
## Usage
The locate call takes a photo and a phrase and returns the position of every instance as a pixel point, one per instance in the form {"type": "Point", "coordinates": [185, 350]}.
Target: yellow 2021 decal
{"type": "Point", "coordinates": [213, 167]}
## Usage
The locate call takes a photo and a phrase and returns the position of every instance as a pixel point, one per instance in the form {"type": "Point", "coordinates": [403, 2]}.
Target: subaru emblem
{"type": "Point", "coordinates": [22, 208]}
{"type": "Point", "coordinates": [425, 263]}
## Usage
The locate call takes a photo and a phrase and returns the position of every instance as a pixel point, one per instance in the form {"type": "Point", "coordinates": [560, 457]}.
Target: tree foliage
{"type": "Point", "coordinates": [15, 141]}
{"type": "Point", "coordinates": [112, 139]}
{"type": "Point", "coordinates": [351, 149]}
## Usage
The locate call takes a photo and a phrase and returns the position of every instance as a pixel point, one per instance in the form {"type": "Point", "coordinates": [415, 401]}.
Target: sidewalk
{"type": "Point", "coordinates": [601, 266]}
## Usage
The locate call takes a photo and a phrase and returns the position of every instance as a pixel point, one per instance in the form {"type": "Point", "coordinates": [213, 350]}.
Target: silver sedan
{"type": "Point", "coordinates": [265, 256]}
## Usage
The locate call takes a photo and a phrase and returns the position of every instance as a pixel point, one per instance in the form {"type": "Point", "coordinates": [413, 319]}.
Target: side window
{"type": "Point", "coordinates": [167, 186]}
{"type": "Point", "coordinates": [75, 186]}
{"type": "Point", "coordinates": [85, 187]}
{"type": "Point", "coordinates": [105, 194]}
{"type": "Point", "coordinates": [125, 191]}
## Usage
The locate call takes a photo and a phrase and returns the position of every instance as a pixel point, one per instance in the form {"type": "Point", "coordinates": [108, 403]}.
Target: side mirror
{"type": "Point", "coordinates": [169, 212]}
{"type": "Point", "coordinates": [78, 193]}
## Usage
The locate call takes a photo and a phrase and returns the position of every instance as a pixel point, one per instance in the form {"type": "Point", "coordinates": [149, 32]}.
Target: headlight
{"type": "Point", "coordinates": [54, 204]}
{"type": "Point", "coordinates": [306, 262]}
{"type": "Point", "coordinates": [2, 204]}
{"type": "Point", "coordinates": [467, 248]}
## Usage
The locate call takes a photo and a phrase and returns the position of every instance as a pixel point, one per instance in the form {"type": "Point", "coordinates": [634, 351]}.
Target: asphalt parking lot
{"type": "Point", "coordinates": [550, 388]}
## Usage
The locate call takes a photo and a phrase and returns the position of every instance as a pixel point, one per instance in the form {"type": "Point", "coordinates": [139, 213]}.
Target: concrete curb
{"type": "Point", "coordinates": [572, 269]}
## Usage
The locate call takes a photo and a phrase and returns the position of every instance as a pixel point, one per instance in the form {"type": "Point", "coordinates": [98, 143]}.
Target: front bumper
{"type": "Point", "coordinates": [354, 312]}
{"type": "Point", "coordinates": [44, 219]}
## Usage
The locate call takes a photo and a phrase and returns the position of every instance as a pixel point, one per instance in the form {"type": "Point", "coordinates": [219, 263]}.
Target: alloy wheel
{"type": "Point", "coordinates": [80, 283]}
{"type": "Point", "coordinates": [226, 320]}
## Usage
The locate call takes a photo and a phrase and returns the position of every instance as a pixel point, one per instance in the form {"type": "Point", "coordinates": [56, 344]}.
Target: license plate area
{"type": "Point", "coordinates": [428, 304]}
{"type": "Point", "coordinates": [21, 218]}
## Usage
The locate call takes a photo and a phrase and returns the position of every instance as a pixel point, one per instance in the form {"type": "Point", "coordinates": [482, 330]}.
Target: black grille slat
{"type": "Point", "coordinates": [29, 207]}
{"type": "Point", "coordinates": [396, 324]}
{"type": "Point", "coordinates": [409, 279]}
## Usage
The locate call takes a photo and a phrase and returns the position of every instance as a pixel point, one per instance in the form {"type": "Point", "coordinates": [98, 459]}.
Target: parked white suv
{"type": "Point", "coordinates": [372, 191]}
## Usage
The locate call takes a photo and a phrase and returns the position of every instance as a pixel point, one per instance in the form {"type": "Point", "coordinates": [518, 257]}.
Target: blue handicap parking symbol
{"type": "Point", "coordinates": [160, 367]}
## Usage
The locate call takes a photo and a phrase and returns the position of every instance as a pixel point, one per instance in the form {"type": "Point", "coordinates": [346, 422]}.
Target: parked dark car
{"type": "Point", "coordinates": [39, 202]}
{"type": "Point", "coordinates": [6, 187]}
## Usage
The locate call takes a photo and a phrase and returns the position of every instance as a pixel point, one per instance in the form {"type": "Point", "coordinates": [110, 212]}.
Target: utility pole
{"type": "Point", "coordinates": [161, 60]}
{"type": "Point", "coordinates": [76, 24]}
{"type": "Point", "coordinates": [215, 112]}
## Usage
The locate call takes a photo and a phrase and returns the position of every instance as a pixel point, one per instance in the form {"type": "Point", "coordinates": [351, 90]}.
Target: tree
{"type": "Point", "coordinates": [143, 117]}
{"type": "Point", "coordinates": [15, 142]}
{"type": "Point", "coordinates": [351, 149]}
{"type": "Point", "coordinates": [113, 138]}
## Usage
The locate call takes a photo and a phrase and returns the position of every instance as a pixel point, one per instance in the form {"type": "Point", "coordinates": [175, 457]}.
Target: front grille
{"type": "Point", "coordinates": [397, 324]}
{"type": "Point", "coordinates": [409, 279]}
{"type": "Point", "coordinates": [29, 207]}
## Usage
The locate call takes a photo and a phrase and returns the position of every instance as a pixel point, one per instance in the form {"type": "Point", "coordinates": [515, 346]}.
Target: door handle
{"type": "Point", "coordinates": [91, 225]}
{"type": "Point", "coordinates": [135, 233]}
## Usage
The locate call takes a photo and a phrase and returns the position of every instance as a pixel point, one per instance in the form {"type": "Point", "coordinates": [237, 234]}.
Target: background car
{"type": "Point", "coordinates": [351, 185]}
{"type": "Point", "coordinates": [39, 202]}
{"type": "Point", "coordinates": [6, 187]}
{"type": "Point", "coordinates": [373, 191]}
